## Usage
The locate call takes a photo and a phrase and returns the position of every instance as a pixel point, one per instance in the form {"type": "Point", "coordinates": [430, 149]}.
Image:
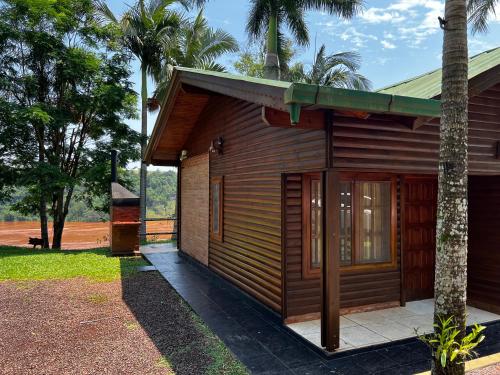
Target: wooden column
{"type": "Point", "coordinates": [330, 262]}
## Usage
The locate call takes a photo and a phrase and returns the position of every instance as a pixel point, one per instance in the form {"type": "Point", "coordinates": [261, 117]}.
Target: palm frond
{"type": "Point", "coordinates": [258, 18]}
{"type": "Point", "coordinates": [293, 16]}
{"type": "Point", "coordinates": [103, 13]}
{"type": "Point", "coordinates": [479, 12]}
{"type": "Point", "coordinates": [343, 8]}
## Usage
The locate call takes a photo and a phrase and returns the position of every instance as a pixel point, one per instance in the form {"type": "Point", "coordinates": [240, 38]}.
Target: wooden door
{"type": "Point", "coordinates": [419, 206]}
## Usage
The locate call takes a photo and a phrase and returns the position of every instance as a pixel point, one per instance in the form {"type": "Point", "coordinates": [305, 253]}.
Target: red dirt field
{"type": "Point", "coordinates": [77, 235]}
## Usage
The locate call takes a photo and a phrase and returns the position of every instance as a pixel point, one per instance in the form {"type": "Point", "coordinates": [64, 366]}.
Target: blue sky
{"type": "Point", "coordinates": [397, 39]}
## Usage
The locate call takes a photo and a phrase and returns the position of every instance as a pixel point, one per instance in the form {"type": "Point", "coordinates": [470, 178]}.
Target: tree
{"type": "Point", "coordinates": [451, 239]}
{"type": "Point", "coordinates": [252, 60]}
{"type": "Point", "coordinates": [147, 31]}
{"type": "Point", "coordinates": [267, 17]}
{"type": "Point", "coordinates": [479, 12]}
{"type": "Point", "coordinates": [196, 46]}
{"type": "Point", "coordinates": [62, 98]}
{"type": "Point", "coordinates": [337, 70]}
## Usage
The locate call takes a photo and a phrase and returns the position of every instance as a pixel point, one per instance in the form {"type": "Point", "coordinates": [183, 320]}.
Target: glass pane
{"type": "Point", "coordinates": [215, 207]}
{"type": "Point", "coordinates": [316, 224]}
{"type": "Point", "coordinates": [374, 221]}
{"type": "Point", "coordinates": [345, 223]}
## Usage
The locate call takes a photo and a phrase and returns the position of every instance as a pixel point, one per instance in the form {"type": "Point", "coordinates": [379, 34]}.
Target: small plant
{"type": "Point", "coordinates": [447, 348]}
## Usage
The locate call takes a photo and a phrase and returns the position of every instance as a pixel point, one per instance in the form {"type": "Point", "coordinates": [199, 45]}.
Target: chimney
{"type": "Point", "coordinates": [114, 155]}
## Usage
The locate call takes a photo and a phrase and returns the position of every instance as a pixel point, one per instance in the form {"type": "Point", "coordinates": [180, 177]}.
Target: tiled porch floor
{"type": "Point", "coordinates": [382, 326]}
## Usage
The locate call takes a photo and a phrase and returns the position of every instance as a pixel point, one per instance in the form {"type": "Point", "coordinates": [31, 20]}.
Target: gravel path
{"type": "Point", "coordinates": [137, 325]}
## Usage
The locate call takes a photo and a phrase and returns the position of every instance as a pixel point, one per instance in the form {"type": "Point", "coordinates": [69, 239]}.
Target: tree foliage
{"type": "Point", "coordinates": [196, 45]}
{"type": "Point", "coordinates": [64, 95]}
{"type": "Point", "coordinates": [336, 70]}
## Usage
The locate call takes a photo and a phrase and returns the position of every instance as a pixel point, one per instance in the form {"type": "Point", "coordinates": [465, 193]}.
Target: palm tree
{"type": "Point", "coordinates": [451, 238]}
{"type": "Point", "coordinates": [147, 29]}
{"type": "Point", "coordinates": [337, 70]}
{"type": "Point", "coordinates": [267, 17]}
{"type": "Point", "coordinates": [479, 11]}
{"type": "Point", "coordinates": [197, 46]}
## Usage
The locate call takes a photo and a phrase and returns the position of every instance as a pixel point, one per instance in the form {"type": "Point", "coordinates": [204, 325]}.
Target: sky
{"type": "Point", "coordinates": [397, 39]}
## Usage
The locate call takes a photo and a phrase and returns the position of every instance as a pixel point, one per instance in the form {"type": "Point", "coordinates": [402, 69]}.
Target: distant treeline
{"type": "Point", "coordinates": [161, 194]}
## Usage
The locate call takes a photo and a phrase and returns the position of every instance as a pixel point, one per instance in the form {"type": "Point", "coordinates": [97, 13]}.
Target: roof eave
{"type": "Point", "coordinates": [300, 94]}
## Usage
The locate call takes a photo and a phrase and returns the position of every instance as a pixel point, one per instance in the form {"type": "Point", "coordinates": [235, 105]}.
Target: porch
{"type": "Point", "coordinates": [365, 329]}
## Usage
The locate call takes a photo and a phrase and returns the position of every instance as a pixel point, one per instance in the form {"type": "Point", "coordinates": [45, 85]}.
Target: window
{"type": "Point", "coordinates": [312, 228]}
{"type": "Point", "coordinates": [216, 208]}
{"type": "Point", "coordinates": [367, 221]}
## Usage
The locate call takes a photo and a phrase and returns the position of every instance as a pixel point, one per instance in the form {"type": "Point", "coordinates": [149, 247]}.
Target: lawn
{"type": "Point", "coordinates": [88, 312]}
{"type": "Point", "coordinates": [96, 264]}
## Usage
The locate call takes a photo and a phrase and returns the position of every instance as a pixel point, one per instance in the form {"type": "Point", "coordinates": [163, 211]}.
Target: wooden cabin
{"type": "Point", "coordinates": [318, 200]}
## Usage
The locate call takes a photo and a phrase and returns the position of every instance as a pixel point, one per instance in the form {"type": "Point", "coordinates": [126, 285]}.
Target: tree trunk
{"type": "Point", "coordinates": [60, 213]}
{"type": "Point", "coordinates": [58, 221]}
{"type": "Point", "coordinates": [451, 238]}
{"type": "Point", "coordinates": [272, 65]}
{"type": "Point", "coordinates": [42, 204]}
{"type": "Point", "coordinates": [144, 134]}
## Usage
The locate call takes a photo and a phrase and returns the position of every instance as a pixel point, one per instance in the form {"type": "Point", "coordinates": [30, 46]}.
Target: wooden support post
{"type": "Point", "coordinates": [330, 262]}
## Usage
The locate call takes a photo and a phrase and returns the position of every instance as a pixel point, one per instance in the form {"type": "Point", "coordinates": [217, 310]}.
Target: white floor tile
{"type": "Point", "coordinates": [421, 307]}
{"type": "Point", "coordinates": [360, 336]}
{"type": "Point", "coordinates": [375, 327]}
{"type": "Point", "coordinates": [368, 317]}
{"type": "Point", "coordinates": [392, 331]}
{"type": "Point", "coordinates": [345, 322]}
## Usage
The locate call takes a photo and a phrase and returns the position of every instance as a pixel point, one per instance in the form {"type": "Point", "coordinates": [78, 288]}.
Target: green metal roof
{"type": "Point", "coordinates": [236, 77]}
{"type": "Point", "coordinates": [428, 85]}
{"type": "Point", "coordinates": [300, 94]}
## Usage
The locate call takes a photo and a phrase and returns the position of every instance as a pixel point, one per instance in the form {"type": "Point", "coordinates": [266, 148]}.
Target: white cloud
{"type": "Point", "coordinates": [356, 37]}
{"type": "Point", "coordinates": [378, 15]}
{"type": "Point", "coordinates": [387, 45]}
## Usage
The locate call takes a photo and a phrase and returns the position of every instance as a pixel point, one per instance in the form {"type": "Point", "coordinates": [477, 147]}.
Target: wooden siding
{"type": "Point", "coordinates": [254, 157]}
{"type": "Point", "coordinates": [484, 237]}
{"type": "Point", "coordinates": [195, 207]}
{"type": "Point", "coordinates": [386, 144]}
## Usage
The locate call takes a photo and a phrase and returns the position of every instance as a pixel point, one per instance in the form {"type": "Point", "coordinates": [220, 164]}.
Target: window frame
{"type": "Point", "coordinates": [309, 272]}
{"type": "Point", "coordinates": [217, 180]}
{"type": "Point", "coordinates": [354, 177]}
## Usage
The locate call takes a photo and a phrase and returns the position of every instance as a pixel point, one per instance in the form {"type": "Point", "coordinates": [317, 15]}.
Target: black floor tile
{"type": "Point", "coordinates": [404, 354]}
{"type": "Point", "coordinates": [297, 356]}
{"type": "Point", "coordinates": [315, 369]}
{"type": "Point", "coordinates": [267, 364]}
{"type": "Point", "coordinates": [345, 366]}
{"type": "Point", "coordinates": [373, 361]}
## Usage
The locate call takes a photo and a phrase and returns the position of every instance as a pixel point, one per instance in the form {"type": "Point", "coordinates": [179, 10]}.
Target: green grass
{"type": "Point", "coordinates": [96, 264]}
{"type": "Point", "coordinates": [223, 361]}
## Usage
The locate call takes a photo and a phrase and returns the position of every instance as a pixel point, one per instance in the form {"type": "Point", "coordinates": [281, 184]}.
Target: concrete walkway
{"type": "Point", "coordinates": [257, 337]}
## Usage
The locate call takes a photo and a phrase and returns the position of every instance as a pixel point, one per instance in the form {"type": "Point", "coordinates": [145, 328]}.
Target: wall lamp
{"type": "Point", "coordinates": [216, 146]}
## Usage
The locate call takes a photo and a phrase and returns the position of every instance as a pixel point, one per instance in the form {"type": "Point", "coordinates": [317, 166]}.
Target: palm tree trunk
{"type": "Point", "coordinates": [451, 239]}
{"type": "Point", "coordinates": [144, 134]}
{"type": "Point", "coordinates": [272, 65]}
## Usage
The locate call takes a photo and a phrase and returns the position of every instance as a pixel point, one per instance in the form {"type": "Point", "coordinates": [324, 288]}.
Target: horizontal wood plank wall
{"type": "Point", "coordinates": [388, 145]}
{"type": "Point", "coordinates": [484, 240]}
{"type": "Point", "coordinates": [254, 157]}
